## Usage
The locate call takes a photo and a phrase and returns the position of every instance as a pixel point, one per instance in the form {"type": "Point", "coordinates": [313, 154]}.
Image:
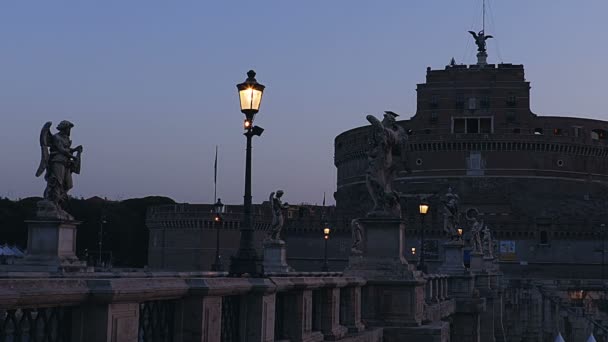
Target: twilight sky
{"type": "Point", "coordinates": [150, 84]}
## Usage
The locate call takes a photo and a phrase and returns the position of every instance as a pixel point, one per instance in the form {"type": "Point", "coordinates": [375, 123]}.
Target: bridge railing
{"type": "Point", "coordinates": [179, 307]}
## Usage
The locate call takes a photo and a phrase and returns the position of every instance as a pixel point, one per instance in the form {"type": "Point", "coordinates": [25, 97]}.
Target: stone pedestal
{"type": "Point", "coordinates": [275, 257]}
{"type": "Point", "coordinates": [381, 254]}
{"type": "Point", "coordinates": [51, 247]}
{"type": "Point", "coordinates": [482, 58]}
{"type": "Point", "coordinates": [394, 294]}
{"type": "Point", "coordinates": [452, 258]}
{"type": "Point", "coordinates": [489, 265]}
{"type": "Point", "coordinates": [477, 264]}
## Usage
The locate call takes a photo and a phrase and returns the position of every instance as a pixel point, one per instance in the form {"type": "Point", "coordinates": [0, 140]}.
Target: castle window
{"type": "Point", "coordinates": [485, 125]}
{"type": "Point", "coordinates": [460, 101]}
{"type": "Point", "coordinates": [557, 131]}
{"type": "Point", "coordinates": [544, 237]}
{"type": "Point", "coordinates": [576, 130]}
{"type": "Point", "coordinates": [538, 131]}
{"type": "Point", "coordinates": [472, 103]}
{"type": "Point", "coordinates": [511, 116]}
{"type": "Point", "coordinates": [472, 125]}
{"type": "Point", "coordinates": [459, 126]}
{"type": "Point", "coordinates": [485, 102]}
{"type": "Point", "coordinates": [511, 101]}
{"type": "Point", "coordinates": [434, 116]}
{"type": "Point", "coordinates": [434, 101]}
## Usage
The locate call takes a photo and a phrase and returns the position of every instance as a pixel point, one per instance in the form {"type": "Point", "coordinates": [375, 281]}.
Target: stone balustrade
{"type": "Point", "coordinates": [438, 305]}
{"type": "Point", "coordinates": [183, 307]}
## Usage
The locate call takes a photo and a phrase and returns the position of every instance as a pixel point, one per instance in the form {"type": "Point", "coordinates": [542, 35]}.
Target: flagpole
{"type": "Point", "coordinates": [215, 177]}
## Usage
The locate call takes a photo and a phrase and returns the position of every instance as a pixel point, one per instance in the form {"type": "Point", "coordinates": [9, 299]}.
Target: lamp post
{"type": "Point", "coordinates": [326, 232]}
{"type": "Point", "coordinates": [250, 96]}
{"type": "Point", "coordinates": [102, 221]}
{"type": "Point", "coordinates": [218, 221]}
{"type": "Point", "coordinates": [423, 208]}
{"type": "Point", "coordinates": [603, 227]}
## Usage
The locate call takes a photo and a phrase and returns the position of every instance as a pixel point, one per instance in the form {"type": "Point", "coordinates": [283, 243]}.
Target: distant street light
{"type": "Point", "coordinates": [218, 221]}
{"type": "Point", "coordinates": [102, 221]}
{"type": "Point", "coordinates": [423, 208]}
{"type": "Point", "coordinates": [250, 97]}
{"type": "Point", "coordinates": [326, 232]}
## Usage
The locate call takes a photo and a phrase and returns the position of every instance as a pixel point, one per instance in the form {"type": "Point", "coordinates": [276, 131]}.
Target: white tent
{"type": "Point", "coordinates": [559, 338]}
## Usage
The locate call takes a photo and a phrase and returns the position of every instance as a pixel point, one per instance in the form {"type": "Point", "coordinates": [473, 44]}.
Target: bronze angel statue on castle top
{"type": "Point", "coordinates": [480, 40]}
{"type": "Point", "coordinates": [59, 160]}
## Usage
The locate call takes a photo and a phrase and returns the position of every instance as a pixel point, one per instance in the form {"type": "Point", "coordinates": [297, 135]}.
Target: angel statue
{"type": "Point", "coordinates": [480, 40]}
{"type": "Point", "coordinates": [277, 214]}
{"type": "Point", "coordinates": [451, 215]}
{"type": "Point", "coordinates": [476, 229]}
{"type": "Point", "coordinates": [387, 137]}
{"type": "Point", "coordinates": [59, 162]}
{"type": "Point", "coordinates": [488, 245]}
{"type": "Point", "coordinates": [357, 236]}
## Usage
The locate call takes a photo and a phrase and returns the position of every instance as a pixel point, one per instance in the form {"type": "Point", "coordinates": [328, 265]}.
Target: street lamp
{"type": "Point", "coordinates": [102, 221]}
{"type": "Point", "coordinates": [326, 232]}
{"type": "Point", "coordinates": [603, 227]}
{"type": "Point", "coordinates": [423, 208]}
{"type": "Point", "coordinates": [218, 221]}
{"type": "Point", "coordinates": [250, 96]}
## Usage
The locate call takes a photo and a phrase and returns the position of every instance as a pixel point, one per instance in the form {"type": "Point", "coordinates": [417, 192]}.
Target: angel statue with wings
{"type": "Point", "coordinates": [387, 137]}
{"type": "Point", "coordinates": [480, 40]}
{"type": "Point", "coordinates": [59, 162]}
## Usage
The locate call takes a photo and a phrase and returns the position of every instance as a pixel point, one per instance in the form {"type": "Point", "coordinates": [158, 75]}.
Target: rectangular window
{"type": "Point", "coordinates": [557, 131]}
{"type": "Point", "coordinates": [511, 116]}
{"type": "Point", "coordinates": [460, 101]}
{"type": "Point", "coordinates": [472, 103]}
{"type": "Point", "coordinates": [472, 125]}
{"type": "Point", "coordinates": [434, 116]}
{"type": "Point", "coordinates": [485, 125]}
{"type": "Point", "coordinates": [485, 102]}
{"type": "Point", "coordinates": [459, 126]}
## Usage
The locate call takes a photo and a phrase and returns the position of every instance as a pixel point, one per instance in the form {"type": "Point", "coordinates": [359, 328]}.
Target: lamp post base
{"type": "Point", "coordinates": [217, 266]}
{"type": "Point", "coordinates": [245, 264]}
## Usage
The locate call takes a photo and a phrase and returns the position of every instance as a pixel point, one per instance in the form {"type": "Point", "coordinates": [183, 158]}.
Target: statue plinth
{"type": "Point", "coordinates": [275, 257]}
{"type": "Point", "coordinates": [51, 247]}
{"type": "Point", "coordinates": [482, 58]}
{"type": "Point", "coordinates": [394, 295]}
{"type": "Point", "coordinates": [489, 264]}
{"type": "Point", "coordinates": [453, 259]}
{"type": "Point", "coordinates": [381, 251]}
{"type": "Point", "coordinates": [477, 264]}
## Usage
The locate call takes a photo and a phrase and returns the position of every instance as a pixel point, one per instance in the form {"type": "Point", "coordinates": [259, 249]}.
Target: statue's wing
{"type": "Point", "coordinates": [45, 139]}
{"type": "Point", "coordinates": [488, 37]}
{"type": "Point", "coordinates": [270, 198]}
{"type": "Point", "coordinates": [474, 34]}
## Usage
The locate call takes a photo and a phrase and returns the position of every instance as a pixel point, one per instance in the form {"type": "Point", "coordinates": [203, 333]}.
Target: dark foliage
{"type": "Point", "coordinates": [125, 232]}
